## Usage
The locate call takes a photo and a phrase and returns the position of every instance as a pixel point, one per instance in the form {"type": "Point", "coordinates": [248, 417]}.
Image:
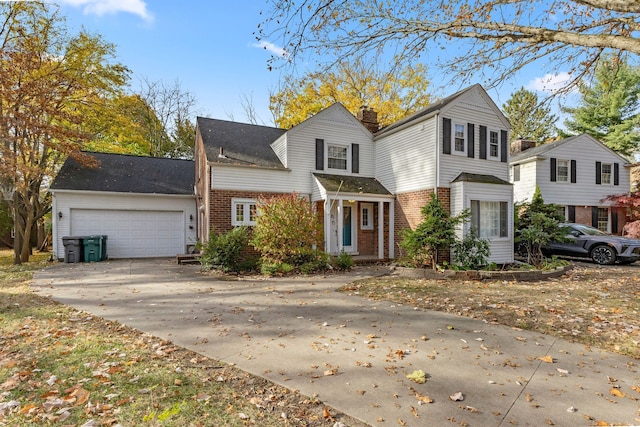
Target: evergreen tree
{"type": "Point", "coordinates": [529, 119]}
{"type": "Point", "coordinates": [610, 107]}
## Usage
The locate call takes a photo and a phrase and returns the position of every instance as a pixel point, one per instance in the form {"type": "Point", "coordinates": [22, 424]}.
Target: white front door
{"type": "Point", "coordinates": [346, 238]}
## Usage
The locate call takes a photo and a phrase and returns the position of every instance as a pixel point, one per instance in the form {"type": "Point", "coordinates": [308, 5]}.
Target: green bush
{"type": "Point", "coordinates": [224, 251]}
{"type": "Point", "coordinates": [344, 261]}
{"type": "Point", "coordinates": [275, 268]}
{"type": "Point", "coordinates": [470, 253]}
{"type": "Point", "coordinates": [320, 263]}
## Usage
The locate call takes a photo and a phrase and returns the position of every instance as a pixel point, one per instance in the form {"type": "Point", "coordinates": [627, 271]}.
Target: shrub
{"type": "Point", "coordinates": [320, 263]}
{"type": "Point", "coordinates": [344, 261]}
{"type": "Point", "coordinates": [470, 253]}
{"type": "Point", "coordinates": [224, 251]}
{"type": "Point", "coordinates": [275, 268]}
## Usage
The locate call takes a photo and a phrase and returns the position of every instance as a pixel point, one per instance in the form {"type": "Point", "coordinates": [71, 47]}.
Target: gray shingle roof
{"type": "Point", "coordinates": [128, 174]}
{"type": "Point", "coordinates": [242, 144]}
{"type": "Point", "coordinates": [476, 177]}
{"type": "Point", "coordinates": [351, 184]}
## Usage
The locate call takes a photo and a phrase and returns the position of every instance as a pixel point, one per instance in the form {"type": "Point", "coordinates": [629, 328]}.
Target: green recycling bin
{"type": "Point", "coordinates": [92, 248]}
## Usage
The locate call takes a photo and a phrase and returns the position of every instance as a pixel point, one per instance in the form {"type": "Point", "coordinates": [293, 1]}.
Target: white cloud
{"type": "Point", "coordinates": [103, 7]}
{"type": "Point", "coordinates": [550, 83]}
{"type": "Point", "coordinates": [277, 50]}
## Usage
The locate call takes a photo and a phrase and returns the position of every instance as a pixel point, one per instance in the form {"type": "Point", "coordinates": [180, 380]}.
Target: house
{"type": "Point", "coordinates": [367, 184]}
{"type": "Point", "coordinates": [576, 173]}
{"type": "Point", "coordinates": [144, 205]}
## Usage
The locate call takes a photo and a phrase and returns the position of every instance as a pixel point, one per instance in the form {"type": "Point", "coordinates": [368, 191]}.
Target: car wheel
{"type": "Point", "coordinates": [603, 255]}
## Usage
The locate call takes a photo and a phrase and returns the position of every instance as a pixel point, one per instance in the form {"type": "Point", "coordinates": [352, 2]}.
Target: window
{"type": "Point", "coordinates": [516, 172]}
{"type": "Point", "coordinates": [489, 218]}
{"type": "Point", "coordinates": [366, 216]}
{"type": "Point", "coordinates": [493, 144]}
{"type": "Point", "coordinates": [603, 217]}
{"type": "Point", "coordinates": [243, 212]}
{"type": "Point", "coordinates": [562, 171]}
{"type": "Point", "coordinates": [459, 138]}
{"type": "Point", "coordinates": [605, 174]}
{"type": "Point", "coordinates": [337, 157]}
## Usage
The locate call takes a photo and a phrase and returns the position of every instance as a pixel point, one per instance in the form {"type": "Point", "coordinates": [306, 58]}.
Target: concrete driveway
{"type": "Point", "coordinates": [354, 354]}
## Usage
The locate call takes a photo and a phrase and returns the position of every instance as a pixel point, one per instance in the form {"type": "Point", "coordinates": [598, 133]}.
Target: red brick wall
{"type": "Point", "coordinates": [220, 207]}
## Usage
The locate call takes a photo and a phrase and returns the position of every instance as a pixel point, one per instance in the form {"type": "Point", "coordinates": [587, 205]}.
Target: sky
{"type": "Point", "coordinates": [209, 47]}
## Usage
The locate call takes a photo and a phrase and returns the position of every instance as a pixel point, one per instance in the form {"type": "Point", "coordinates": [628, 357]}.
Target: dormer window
{"type": "Point", "coordinates": [337, 157]}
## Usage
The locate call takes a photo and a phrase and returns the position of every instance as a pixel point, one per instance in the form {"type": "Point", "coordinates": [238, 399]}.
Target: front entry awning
{"type": "Point", "coordinates": [340, 194]}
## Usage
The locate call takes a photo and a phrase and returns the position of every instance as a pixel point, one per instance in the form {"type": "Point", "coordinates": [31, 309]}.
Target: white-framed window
{"type": "Point", "coordinates": [515, 169]}
{"type": "Point", "coordinates": [337, 157]}
{"type": "Point", "coordinates": [603, 219]}
{"type": "Point", "coordinates": [562, 170]}
{"type": "Point", "coordinates": [494, 144]}
{"type": "Point", "coordinates": [366, 216]}
{"type": "Point", "coordinates": [243, 212]}
{"type": "Point", "coordinates": [606, 173]}
{"type": "Point", "coordinates": [490, 219]}
{"type": "Point", "coordinates": [459, 137]}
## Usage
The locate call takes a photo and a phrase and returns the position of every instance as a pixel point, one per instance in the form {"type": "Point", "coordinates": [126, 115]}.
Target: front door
{"type": "Point", "coordinates": [347, 235]}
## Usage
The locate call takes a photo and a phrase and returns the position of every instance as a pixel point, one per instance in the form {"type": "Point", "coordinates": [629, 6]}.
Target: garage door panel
{"type": "Point", "coordinates": [133, 234]}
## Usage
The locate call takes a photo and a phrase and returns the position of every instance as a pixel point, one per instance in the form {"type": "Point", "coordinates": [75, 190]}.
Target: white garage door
{"type": "Point", "coordinates": [133, 234]}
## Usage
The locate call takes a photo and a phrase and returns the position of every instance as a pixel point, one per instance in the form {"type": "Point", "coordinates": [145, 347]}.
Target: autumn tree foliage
{"type": "Point", "coordinates": [392, 93]}
{"type": "Point", "coordinates": [497, 38]}
{"type": "Point", "coordinates": [609, 106]}
{"type": "Point", "coordinates": [48, 79]}
{"type": "Point", "coordinates": [631, 203]}
{"type": "Point", "coordinates": [529, 118]}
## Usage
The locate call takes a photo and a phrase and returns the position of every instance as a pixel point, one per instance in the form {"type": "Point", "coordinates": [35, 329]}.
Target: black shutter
{"type": "Point", "coordinates": [614, 222]}
{"type": "Point", "coordinates": [355, 158]}
{"type": "Point", "coordinates": [594, 216]}
{"type": "Point", "coordinates": [319, 154]}
{"type": "Point", "coordinates": [616, 174]}
{"type": "Point", "coordinates": [504, 147]}
{"type": "Point", "coordinates": [446, 136]}
{"type": "Point", "coordinates": [471, 140]}
{"type": "Point", "coordinates": [572, 214]}
{"type": "Point", "coordinates": [553, 169]}
{"type": "Point", "coordinates": [573, 171]}
{"type": "Point", "coordinates": [483, 142]}
{"type": "Point", "coordinates": [598, 173]}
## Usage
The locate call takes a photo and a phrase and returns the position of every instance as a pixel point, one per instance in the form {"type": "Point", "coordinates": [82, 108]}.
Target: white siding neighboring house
{"type": "Point", "coordinates": [576, 173]}
{"type": "Point", "coordinates": [145, 206]}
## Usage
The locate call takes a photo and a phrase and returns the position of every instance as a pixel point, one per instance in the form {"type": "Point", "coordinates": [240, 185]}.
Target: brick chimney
{"type": "Point", "coordinates": [369, 118]}
{"type": "Point", "coordinates": [521, 144]}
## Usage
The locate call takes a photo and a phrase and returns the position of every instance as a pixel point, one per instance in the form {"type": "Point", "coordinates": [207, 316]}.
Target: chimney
{"type": "Point", "coordinates": [521, 144]}
{"type": "Point", "coordinates": [368, 118]}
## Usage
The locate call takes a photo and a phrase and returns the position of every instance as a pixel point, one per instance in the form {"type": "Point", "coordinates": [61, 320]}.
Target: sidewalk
{"type": "Point", "coordinates": [354, 354]}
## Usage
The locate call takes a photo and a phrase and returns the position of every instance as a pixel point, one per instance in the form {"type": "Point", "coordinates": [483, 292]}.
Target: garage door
{"type": "Point", "coordinates": [133, 234]}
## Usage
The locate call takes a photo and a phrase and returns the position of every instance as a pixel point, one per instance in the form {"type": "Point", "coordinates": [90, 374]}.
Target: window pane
{"type": "Point", "coordinates": [337, 157]}
{"type": "Point", "coordinates": [563, 171]}
{"type": "Point", "coordinates": [489, 219]}
{"type": "Point", "coordinates": [459, 137]}
{"type": "Point", "coordinates": [493, 144]}
{"type": "Point", "coordinates": [253, 211]}
{"type": "Point", "coordinates": [603, 219]}
{"type": "Point", "coordinates": [239, 212]}
{"type": "Point", "coordinates": [606, 173]}
{"type": "Point", "coordinates": [365, 217]}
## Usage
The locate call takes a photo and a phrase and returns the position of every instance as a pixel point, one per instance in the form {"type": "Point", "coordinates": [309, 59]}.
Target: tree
{"type": "Point", "coordinates": [47, 79]}
{"type": "Point", "coordinates": [354, 84]}
{"type": "Point", "coordinates": [528, 117]}
{"type": "Point", "coordinates": [496, 37]}
{"type": "Point", "coordinates": [631, 203]}
{"type": "Point", "coordinates": [436, 232]}
{"type": "Point", "coordinates": [610, 106]}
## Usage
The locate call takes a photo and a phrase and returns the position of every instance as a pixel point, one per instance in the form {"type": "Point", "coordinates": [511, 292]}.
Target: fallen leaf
{"type": "Point", "coordinates": [546, 359]}
{"type": "Point", "coordinates": [423, 398]}
{"type": "Point", "coordinates": [617, 392]}
{"type": "Point", "coordinates": [418, 376]}
{"type": "Point", "coordinates": [457, 396]}
{"type": "Point", "coordinates": [326, 414]}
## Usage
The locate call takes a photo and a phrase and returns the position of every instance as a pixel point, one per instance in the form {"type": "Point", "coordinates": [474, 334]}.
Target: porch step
{"type": "Point", "coordinates": [364, 260]}
{"type": "Point", "coordinates": [188, 259]}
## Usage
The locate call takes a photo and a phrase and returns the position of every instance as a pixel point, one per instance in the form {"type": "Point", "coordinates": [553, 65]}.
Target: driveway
{"type": "Point", "coordinates": [355, 354]}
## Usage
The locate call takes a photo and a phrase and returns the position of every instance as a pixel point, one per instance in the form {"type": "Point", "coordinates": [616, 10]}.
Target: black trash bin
{"type": "Point", "coordinates": [92, 246]}
{"type": "Point", "coordinates": [73, 249]}
{"type": "Point", "coordinates": [103, 248]}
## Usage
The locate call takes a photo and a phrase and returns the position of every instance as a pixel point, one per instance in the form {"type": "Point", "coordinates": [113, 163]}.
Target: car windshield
{"type": "Point", "coordinates": [591, 231]}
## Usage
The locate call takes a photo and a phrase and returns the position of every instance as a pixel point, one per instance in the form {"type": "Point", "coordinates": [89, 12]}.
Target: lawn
{"type": "Point", "coordinates": [59, 366]}
{"type": "Point", "coordinates": [592, 305]}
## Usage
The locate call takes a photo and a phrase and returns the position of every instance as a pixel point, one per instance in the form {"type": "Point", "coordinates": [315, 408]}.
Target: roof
{"type": "Point", "coordinates": [543, 149]}
{"type": "Point", "coordinates": [483, 179]}
{"type": "Point", "coordinates": [351, 184]}
{"type": "Point", "coordinates": [123, 173]}
{"type": "Point", "coordinates": [239, 143]}
{"type": "Point", "coordinates": [429, 109]}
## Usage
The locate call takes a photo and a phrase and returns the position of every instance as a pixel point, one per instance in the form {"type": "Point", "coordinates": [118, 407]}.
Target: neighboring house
{"type": "Point", "coordinates": [366, 186]}
{"type": "Point", "coordinates": [576, 173]}
{"type": "Point", "coordinates": [144, 205]}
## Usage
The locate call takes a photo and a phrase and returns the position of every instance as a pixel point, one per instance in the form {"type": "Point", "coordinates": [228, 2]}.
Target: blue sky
{"type": "Point", "coordinates": [209, 47]}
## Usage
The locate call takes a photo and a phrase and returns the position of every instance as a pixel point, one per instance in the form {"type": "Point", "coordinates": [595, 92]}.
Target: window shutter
{"type": "Point", "coordinates": [319, 154]}
{"type": "Point", "coordinates": [446, 136]}
{"type": "Point", "coordinates": [504, 147]}
{"type": "Point", "coordinates": [471, 140]}
{"type": "Point", "coordinates": [594, 216]}
{"type": "Point", "coordinates": [572, 214]}
{"type": "Point", "coordinates": [616, 174]}
{"type": "Point", "coordinates": [614, 222]}
{"type": "Point", "coordinates": [475, 215]}
{"type": "Point", "coordinates": [573, 171]}
{"type": "Point", "coordinates": [553, 169]}
{"type": "Point", "coordinates": [355, 158]}
{"type": "Point", "coordinates": [598, 173]}
{"type": "Point", "coordinates": [483, 142]}
{"type": "Point", "coordinates": [503, 219]}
